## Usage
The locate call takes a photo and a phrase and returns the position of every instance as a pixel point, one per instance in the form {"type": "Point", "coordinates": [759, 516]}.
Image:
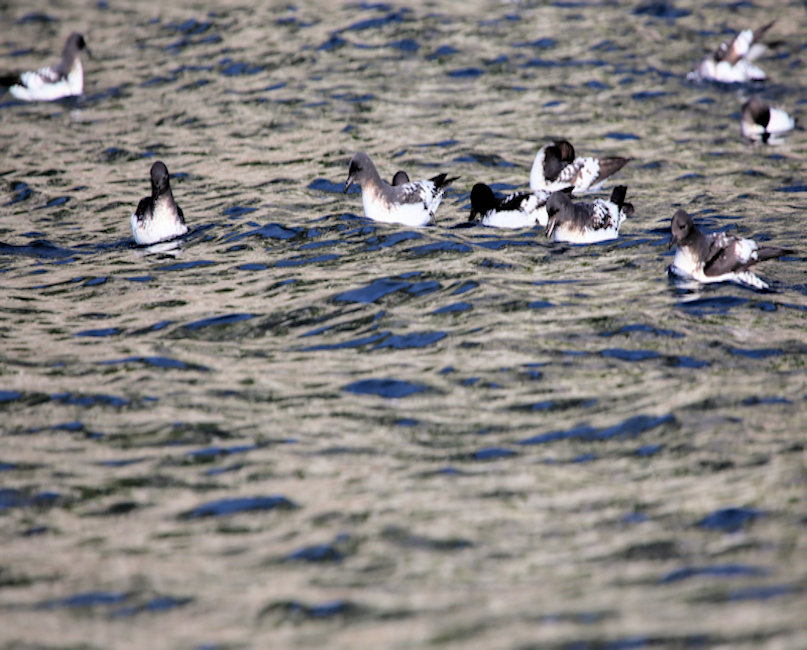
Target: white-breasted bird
{"type": "Point", "coordinates": [556, 167]}
{"type": "Point", "coordinates": [734, 62]}
{"type": "Point", "coordinates": [762, 122]}
{"type": "Point", "coordinates": [517, 210]}
{"type": "Point", "coordinates": [410, 204]}
{"type": "Point", "coordinates": [716, 257]}
{"type": "Point", "coordinates": [158, 218]}
{"type": "Point", "coordinates": [65, 79]}
{"type": "Point", "coordinates": [586, 223]}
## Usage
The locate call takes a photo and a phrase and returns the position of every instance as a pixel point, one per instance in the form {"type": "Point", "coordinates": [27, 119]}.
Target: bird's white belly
{"type": "Point", "coordinates": [515, 218]}
{"type": "Point", "coordinates": [408, 214]}
{"type": "Point", "coordinates": [585, 236]}
{"type": "Point", "coordinates": [684, 264]}
{"type": "Point", "coordinates": [163, 225]}
{"type": "Point", "coordinates": [36, 88]}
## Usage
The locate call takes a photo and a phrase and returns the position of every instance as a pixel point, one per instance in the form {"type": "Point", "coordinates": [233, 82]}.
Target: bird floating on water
{"type": "Point", "coordinates": [762, 122]}
{"type": "Point", "coordinates": [411, 204]}
{"type": "Point", "coordinates": [517, 210]}
{"type": "Point", "coordinates": [158, 218]}
{"type": "Point", "coordinates": [734, 62]}
{"type": "Point", "coordinates": [65, 79]}
{"type": "Point", "coordinates": [716, 257]}
{"type": "Point", "coordinates": [586, 223]}
{"type": "Point", "coordinates": [556, 168]}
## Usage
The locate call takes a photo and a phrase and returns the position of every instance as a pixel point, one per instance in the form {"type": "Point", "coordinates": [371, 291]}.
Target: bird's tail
{"type": "Point", "coordinates": [618, 195]}
{"type": "Point", "coordinates": [441, 182]}
{"type": "Point", "coordinates": [769, 252]}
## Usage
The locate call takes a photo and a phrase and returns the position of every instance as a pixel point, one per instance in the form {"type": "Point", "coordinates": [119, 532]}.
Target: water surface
{"type": "Point", "coordinates": [304, 429]}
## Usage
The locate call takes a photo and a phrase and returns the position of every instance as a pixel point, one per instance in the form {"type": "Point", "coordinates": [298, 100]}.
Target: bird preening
{"type": "Point", "coordinates": [557, 167]}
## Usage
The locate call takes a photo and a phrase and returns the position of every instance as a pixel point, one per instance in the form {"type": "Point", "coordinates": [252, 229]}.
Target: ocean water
{"type": "Point", "coordinates": [302, 429]}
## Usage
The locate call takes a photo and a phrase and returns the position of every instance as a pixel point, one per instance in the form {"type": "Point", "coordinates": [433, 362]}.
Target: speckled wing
{"type": "Point", "coordinates": [589, 172]}
{"type": "Point", "coordinates": [738, 49]}
{"type": "Point", "coordinates": [440, 183]}
{"type": "Point", "coordinates": [569, 176]}
{"type": "Point", "coordinates": [729, 254]}
{"type": "Point", "coordinates": [525, 202]}
{"type": "Point", "coordinates": [41, 77]}
{"type": "Point", "coordinates": [746, 45]}
{"type": "Point", "coordinates": [422, 192]}
{"type": "Point", "coordinates": [601, 216]}
{"type": "Point", "coordinates": [593, 171]}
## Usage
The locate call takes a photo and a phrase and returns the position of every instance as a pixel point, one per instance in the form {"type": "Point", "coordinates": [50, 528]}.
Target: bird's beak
{"type": "Point", "coordinates": [673, 241]}
{"type": "Point", "coordinates": [550, 227]}
{"type": "Point", "coordinates": [88, 51]}
{"type": "Point", "coordinates": [348, 183]}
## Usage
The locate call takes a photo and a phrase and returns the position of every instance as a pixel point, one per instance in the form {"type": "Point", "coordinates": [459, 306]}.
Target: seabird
{"type": "Point", "coordinates": [65, 79]}
{"type": "Point", "coordinates": [762, 122]}
{"type": "Point", "coordinates": [410, 204]}
{"type": "Point", "coordinates": [556, 167]}
{"type": "Point", "coordinates": [733, 63]}
{"type": "Point", "coordinates": [158, 217]}
{"type": "Point", "coordinates": [716, 257]}
{"type": "Point", "coordinates": [586, 223]}
{"type": "Point", "coordinates": [518, 210]}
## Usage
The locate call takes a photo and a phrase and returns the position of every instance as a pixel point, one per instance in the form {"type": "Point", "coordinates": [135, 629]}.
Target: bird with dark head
{"type": "Point", "coordinates": [734, 62]}
{"type": "Point", "coordinates": [517, 210]}
{"type": "Point", "coordinates": [586, 223]}
{"type": "Point", "coordinates": [556, 167]}
{"type": "Point", "coordinates": [158, 218]}
{"type": "Point", "coordinates": [411, 204]}
{"type": "Point", "coordinates": [716, 257]}
{"type": "Point", "coordinates": [482, 201]}
{"type": "Point", "coordinates": [762, 122]}
{"type": "Point", "coordinates": [65, 79]}
{"type": "Point", "coordinates": [681, 227]}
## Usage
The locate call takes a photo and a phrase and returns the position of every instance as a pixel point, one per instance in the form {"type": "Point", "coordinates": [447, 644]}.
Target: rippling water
{"type": "Point", "coordinates": [304, 429]}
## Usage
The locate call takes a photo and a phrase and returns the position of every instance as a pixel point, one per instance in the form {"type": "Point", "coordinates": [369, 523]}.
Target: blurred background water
{"type": "Point", "coordinates": [307, 430]}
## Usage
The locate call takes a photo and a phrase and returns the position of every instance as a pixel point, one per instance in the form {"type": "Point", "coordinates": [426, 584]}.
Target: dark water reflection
{"type": "Point", "coordinates": [305, 429]}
